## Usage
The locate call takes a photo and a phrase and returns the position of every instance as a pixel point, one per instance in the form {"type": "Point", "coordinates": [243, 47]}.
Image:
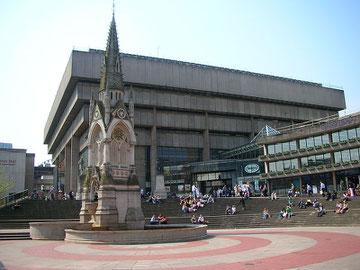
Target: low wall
{"type": "Point", "coordinates": [53, 230]}
{"type": "Point", "coordinates": [151, 234]}
{"type": "Point", "coordinates": [73, 231]}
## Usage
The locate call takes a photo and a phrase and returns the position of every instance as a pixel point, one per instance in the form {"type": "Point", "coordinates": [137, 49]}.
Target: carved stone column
{"type": "Point", "coordinates": [107, 150]}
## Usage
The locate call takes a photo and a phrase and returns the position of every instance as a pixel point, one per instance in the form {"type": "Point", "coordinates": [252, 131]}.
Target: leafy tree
{"type": "Point", "coordinates": [6, 183]}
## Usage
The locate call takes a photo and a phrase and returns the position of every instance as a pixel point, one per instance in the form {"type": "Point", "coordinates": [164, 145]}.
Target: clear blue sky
{"type": "Point", "coordinates": [308, 40]}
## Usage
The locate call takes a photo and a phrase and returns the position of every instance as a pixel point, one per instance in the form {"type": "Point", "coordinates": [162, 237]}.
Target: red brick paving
{"type": "Point", "coordinates": [328, 246]}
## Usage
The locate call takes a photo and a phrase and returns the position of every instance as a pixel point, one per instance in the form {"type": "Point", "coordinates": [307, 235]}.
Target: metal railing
{"type": "Point", "coordinates": [315, 122]}
{"type": "Point", "coordinates": [8, 199]}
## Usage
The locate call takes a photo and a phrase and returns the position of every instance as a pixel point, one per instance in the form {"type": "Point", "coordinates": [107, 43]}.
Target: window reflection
{"type": "Point", "coordinates": [327, 158]}
{"type": "Point", "coordinates": [311, 161]}
{"type": "Point", "coordinates": [278, 148]}
{"type": "Point", "coordinates": [271, 149]}
{"type": "Point", "coordinates": [310, 142]}
{"type": "Point", "coordinates": [293, 145]}
{"type": "Point", "coordinates": [337, 157]}
{"type": "Point", "coordinates": [319, 160]}
{"type": "Point", "coordinates": [287, 165]}
{"type": "Point", "coordinates": [294, 164]}
{"type": "Point", "coordinates": [302, 143]}
{"type": "Point", "coordinates": [345, 155]}
{"type": "Point", "coordinates": [272, 167]}
{"type": "Point", "coordinates": [351, 133]}
{"type": "Point", "coordinates": [343, 135]}
{"type": "Point", "coordinates": [325, 138]}
{"type": "Point", "coordinates": [286, 146]}
{"type": "Point", "coordinates": [304, 162]}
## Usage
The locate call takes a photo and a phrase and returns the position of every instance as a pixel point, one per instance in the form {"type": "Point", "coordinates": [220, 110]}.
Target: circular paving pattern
{"type": "Point", "coordinates": [233, 249]}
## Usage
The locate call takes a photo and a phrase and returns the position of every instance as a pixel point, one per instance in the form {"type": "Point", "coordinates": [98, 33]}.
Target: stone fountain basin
{"type": "Point", "coordinates": [82, 233]}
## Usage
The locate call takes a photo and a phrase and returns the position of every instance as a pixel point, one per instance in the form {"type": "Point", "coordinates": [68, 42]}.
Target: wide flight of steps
{"type": "Point", "coordinates": [250, 217]}
{"type": "Point", "coordinates": [14, 235]}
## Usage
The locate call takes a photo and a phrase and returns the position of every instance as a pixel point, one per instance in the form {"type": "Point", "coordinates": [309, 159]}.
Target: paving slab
{"type": "Point", "coordinates": [302, 248]}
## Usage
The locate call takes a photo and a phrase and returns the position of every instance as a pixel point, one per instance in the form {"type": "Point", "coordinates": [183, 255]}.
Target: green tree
{"type": "Point", "coordinates": [6, 183]}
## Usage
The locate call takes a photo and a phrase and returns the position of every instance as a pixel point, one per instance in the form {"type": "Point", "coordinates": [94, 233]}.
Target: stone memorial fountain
{"type": "Point", "coordinates": [116, 216]}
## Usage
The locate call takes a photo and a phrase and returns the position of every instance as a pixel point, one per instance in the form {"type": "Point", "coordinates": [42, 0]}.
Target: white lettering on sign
{"type": "Point", "coordinates": [7, 162]}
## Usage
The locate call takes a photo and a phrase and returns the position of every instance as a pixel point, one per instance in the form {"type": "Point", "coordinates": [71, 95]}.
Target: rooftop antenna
{"type": "Point", "coordinates": [113, 11]}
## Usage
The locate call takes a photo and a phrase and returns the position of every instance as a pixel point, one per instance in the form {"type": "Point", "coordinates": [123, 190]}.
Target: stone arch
{"type": "Point", "coordinates": [122, 144]}
{"type": "Point", "coordinates": [125, 126]}
{"type": "Point", "coordinates": [96, 145]}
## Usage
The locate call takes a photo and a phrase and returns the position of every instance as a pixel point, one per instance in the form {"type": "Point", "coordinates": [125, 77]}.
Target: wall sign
{"type": "Point", "coordinates": [252, 168]}
{"type": "Point", "coordinates": [339, 123]}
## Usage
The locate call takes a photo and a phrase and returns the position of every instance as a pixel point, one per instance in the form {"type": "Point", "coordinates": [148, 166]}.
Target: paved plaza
{"type": "Point", "coordinates": [287, 248]}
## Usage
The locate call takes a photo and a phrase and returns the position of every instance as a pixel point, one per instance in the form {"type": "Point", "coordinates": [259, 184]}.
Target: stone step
{"type": "Point", "coordinates": [6, 236]}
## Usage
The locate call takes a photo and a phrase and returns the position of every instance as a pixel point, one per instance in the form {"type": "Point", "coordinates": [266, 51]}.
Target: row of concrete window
{"type": "Point", "coordinates": [347, 155]}
{"type": "Point", "coordinates": [315, 160]}
{"type": "Point", "coordinates": [283, 165]}
{"type": "Point", "coordinates": [281, 147]}
{"type": "Point", "coordinates": [346, 134]}
{"type": "Point", "coordinates": [313, 141]}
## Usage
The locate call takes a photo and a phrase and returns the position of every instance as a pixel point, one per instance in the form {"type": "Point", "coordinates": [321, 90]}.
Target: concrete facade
{"type": "Point", "coordinates": [326, 150]}
{"type": "Point", "coordinates": [178, 105]}
{"type": "Point", "coordinates": [19, 167]}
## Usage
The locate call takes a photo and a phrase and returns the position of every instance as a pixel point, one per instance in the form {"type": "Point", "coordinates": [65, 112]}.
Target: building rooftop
{"type": "Point", "coordinates": [316, 126]}
{"type": "Point", "coordinates": [165, 60]}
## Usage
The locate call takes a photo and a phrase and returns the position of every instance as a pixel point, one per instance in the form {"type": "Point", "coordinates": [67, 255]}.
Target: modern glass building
{"type": "Point", "coordinates": [214, 174]}
{"type": "Point", "coordinates": [236, 166]}
{"type": "Point", "coordinates": [326, 149]}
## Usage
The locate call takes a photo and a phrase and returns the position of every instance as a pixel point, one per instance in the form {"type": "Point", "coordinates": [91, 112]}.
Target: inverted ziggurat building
{"type": "Point", "coordinates": [182, 112]}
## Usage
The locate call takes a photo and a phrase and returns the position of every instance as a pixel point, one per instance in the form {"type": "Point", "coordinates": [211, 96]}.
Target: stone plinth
{"type": "Point", "coordinates": [106, 212]}
{"type": "Point", "coordinates": [160, 187]}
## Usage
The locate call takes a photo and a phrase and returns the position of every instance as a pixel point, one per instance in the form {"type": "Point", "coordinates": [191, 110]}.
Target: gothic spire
{"type": "Point", "coordinates": [111, 76]}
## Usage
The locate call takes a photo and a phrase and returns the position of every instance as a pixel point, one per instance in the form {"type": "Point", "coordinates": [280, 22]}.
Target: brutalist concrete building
{"type": "Point", "coordinates": [184, 112]}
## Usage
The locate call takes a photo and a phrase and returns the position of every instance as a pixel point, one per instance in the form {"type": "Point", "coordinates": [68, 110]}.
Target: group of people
{"type": "Point", "coordinates": [230, 210]}
{"type": "Point", "coordinates": [154, 199]}
{"type": "Point", "coordinates": [200, 219]}
{"type": "Point", "coordinates": [159, 220]}
{"type": "Point", "coordinates": [352, 191]}
{"type": "Point", "coordinates": [342, 206]}
{"type": "Point", "coordinates": [286, 212]}
{"type": "Point", "coordinates": [52, 195]}
{"type": "Point", "coordinates": [192, 203]}
{"type": "Point", "coordinates": [245, 190]}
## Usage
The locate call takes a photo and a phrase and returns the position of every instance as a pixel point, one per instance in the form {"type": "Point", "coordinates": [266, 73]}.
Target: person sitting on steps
{"type": "Point", "coordinates": [153, 220]}
{"type": "Point", "coordinates": [266, 214]}
{"type": "Point", "coordinates": [202, 220]}
{"type": "Point", "coordinates": [193, 219]}
{"type": "Point", "coordinates": [228, 210]}
{"type": "Point", "coordinates": [302, 204]}
{"type": "Point", "coordinates": [162, 219]}
{"type": "Point", "coordinates": [321, 210]}
{"type": "Point", "coordinates": [233, 210]}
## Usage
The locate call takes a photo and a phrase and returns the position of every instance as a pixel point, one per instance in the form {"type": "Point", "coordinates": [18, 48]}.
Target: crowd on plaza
{"type": "Point", "coordinates": [52, 195]}
{"type": "Point", "coordinates": [342, 205]}
{"type": "Point", "coordinates": [192, 202]}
